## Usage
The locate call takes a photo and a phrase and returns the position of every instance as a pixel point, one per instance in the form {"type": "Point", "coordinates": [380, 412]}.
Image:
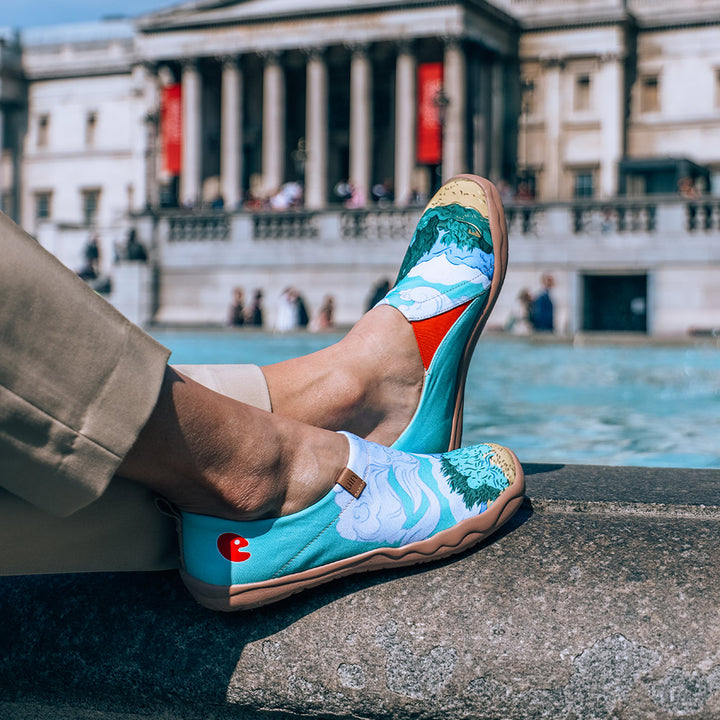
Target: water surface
{"type": "Point", "coordinates": [611, 405]}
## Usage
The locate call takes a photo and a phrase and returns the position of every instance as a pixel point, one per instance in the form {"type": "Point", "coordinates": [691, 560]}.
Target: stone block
{"type": "Point", "coordinates": [598, 600]}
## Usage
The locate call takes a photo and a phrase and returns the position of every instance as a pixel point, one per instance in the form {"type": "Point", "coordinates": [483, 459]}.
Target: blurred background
{"type": "Point", "coordinates": [188, 158]}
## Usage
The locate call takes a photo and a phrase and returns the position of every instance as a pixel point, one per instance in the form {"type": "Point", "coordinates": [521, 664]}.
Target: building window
{"type": "Point", "coordinates": [649, 94]}
{"type": "Point", "coordinates": [529, 97]}
{"type": "Point", "coordinates": [90, 203]}
{"type": "Point", "coordinates": [526, 185]}
{"type": "Point", "coordinates": [90, 127]}
{"type": "Point", "coordinates": [581, 101]}
{"type": "Point", "coordinates": [583, 184]}
{"type": "Point", "coordinates": [43, 130]}
{"type": "Point", "coordinates": [43, 205]}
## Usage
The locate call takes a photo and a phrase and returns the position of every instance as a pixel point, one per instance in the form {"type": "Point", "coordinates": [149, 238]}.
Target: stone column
{"type": "Point", "coordinates": [231, 129]}
{"type": "Point", "coordinates": [405, 118]}
{"type": "Point", "coordinates": [6, 210]}
{"type": "Point", "coordinates": [550, 184]}
{"type": "Point", "coordinates": [611, 88]}
{"type": "Point", "coordinates": [454, 158]}
{"type": "Point", "coordinates": [454, 132]}
{"type": "Point", "coordinates": [497, 119]}
{"type": "Point", "coordinates": [316, 131]}
{"type": "Point", "coordinates": [361, 120]}
{"type": "Point", "coordinates": [153, 153]}
{"type": "Point", "coordinates": [481, 114]}
{"type": "Point", "coordinates": [190, 179]}
{"type": "Point", "coordinates": [273, 134]}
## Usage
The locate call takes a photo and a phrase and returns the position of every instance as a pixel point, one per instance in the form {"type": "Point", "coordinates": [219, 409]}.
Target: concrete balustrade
{"type": "Point", "coordinates": [598, 600]}
{"type": "Point", "coordinates": [201, 256]}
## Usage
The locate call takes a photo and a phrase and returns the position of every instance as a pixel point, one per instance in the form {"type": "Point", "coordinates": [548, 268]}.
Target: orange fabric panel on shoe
{"type": "Point", "coordinates": [430, 332]}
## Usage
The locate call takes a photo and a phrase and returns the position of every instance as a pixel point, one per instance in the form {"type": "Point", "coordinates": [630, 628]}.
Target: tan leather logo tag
{"type": "Point", "coordinates": [353, 483]}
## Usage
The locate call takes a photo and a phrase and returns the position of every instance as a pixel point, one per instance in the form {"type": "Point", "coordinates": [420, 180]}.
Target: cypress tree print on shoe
{"type": "Point", "coordinates": [387, 509]}
{"type": "Point", "coordinates": [447, 286]}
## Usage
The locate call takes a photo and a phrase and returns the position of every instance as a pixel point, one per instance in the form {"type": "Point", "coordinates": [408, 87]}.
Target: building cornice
{"type": "Point", "coordinates": [179, 20]}
{"type": "Point", "coordinates": [660, 24]}
{"type": "Point", "coordinates": [570, 22]}
{"type": "Point", "coordinates": [83, 70]}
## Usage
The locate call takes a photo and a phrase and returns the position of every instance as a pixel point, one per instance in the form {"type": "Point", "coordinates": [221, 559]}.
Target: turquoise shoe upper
{"type": "Point", "coordinates": [449, 262]}
{"type": "Point", "coordinates": [406, 498]}
{"type": "Point", "coordinates": [449, 266]}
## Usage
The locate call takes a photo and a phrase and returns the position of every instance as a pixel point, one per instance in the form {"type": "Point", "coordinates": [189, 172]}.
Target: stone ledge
{"type": "Point", "coordinates": [598, 600]}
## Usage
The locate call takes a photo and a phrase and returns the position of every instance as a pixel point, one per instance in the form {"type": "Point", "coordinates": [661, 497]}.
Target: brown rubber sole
{"type": "Point", "coordinates": [446, 543]}
{"type": "Point", "coordinates": [498, 231]}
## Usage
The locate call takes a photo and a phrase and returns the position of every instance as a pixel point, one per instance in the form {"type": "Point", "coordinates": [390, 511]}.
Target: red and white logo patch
{"type": "Point", "coordinates": [230, 547]}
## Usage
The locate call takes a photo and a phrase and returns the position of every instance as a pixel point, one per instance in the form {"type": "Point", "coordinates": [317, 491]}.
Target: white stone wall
{"type": "Point", "coordinates": [67, 164]}
{"type": "Point", "coordinates": [687, 123]}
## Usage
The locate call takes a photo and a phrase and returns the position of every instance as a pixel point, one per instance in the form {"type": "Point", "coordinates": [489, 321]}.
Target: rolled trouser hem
{"type": "Point", "coordinates": [245, 383]}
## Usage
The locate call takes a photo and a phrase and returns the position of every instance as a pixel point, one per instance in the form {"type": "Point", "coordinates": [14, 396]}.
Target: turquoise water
{"type": "Point", "coordinates": [609, 405]}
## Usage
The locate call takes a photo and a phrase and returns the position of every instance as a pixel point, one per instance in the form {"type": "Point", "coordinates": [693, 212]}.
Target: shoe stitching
{"type": "Point", "coordinates": [334, 521]}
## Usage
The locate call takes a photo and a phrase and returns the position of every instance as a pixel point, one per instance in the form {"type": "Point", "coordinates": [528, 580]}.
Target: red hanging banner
{"type": "Point", "coordinates": [429, 125]}
{"type": "Point", "coordinates": [171, 128]}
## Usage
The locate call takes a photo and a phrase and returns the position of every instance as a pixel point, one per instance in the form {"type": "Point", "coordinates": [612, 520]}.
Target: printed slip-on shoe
{"type": "Point", "coordinates": [447, 286]}
{"type": "Point", "coordinates": [387, 509]}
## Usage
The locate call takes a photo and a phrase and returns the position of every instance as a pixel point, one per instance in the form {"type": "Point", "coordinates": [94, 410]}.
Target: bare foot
{"type": "Point", "coordinates": [212, 455]}
{"type": "Point", "coordinates": [369, 383]}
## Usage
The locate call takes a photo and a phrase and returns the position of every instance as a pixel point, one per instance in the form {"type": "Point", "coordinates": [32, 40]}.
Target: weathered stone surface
{"type": "Point", "coordinates": [599, 600]}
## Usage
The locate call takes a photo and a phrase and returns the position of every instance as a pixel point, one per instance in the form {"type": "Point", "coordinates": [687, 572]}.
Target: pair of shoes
{"type": "Point", "coordinates": [391, 507]}
{"type": "Point", "coordinates": [446, 288]}
{"type": "Point", "coordinates": [387, 509]}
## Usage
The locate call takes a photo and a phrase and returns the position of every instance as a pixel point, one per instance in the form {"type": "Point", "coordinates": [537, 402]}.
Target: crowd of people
{"type": "Point", "coordinates": [532, 312]}
{"type": "Point", "coordinates": [251, 315]}
{"type": "Point", "coordinates": [292, 312]}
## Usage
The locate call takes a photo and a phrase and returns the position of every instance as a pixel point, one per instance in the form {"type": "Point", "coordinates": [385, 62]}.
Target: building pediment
{"type": "Point", "coordinates": [190, 29]}
{"type": "Point", "coordinates": [199, 13]}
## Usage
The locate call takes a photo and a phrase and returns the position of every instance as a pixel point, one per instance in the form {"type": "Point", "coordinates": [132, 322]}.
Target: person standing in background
{"type": "Point", "coordinates": [541, 312]}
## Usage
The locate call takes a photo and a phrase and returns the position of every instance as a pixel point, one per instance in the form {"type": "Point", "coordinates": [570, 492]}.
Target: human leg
{"type": "Point", "coordinates": [205, 452]}
{"type": "Point", "coordinates": [120, 531]}
{"type": "Point", "coordinates": [398, 377]}
{"type": "Point", "coordinates": [77, 383]}
{"type": "Point", "coordinates": [210, 454]}
{"type": "Point", "coordinates": [86, 395]}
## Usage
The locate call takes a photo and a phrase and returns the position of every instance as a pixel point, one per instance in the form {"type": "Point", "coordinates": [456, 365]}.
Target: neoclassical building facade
{"type": "Point", "coordinates": [217, 104]}
{"type": "Point", "coordinates": [571, 97]}
{"type": "Point", "coordinates": [327, 93]}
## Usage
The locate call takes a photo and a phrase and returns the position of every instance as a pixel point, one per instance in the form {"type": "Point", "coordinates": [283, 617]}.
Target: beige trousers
{"type": "Point", "coordinates": [78, 382]}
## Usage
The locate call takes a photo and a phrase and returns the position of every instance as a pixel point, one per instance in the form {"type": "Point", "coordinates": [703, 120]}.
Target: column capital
{"type": "Point", "coordinates": [358, 49]}
{"type": "Point", "coordinates": [189, 63]}
{"type": "Point", "coordinates": [270, 56]}
{"type": "Point", "coordinates": [315, 52]}
{"type": "Point", "coordinates": [405, 46]}
{"type": "Point", "coordinates": [453, 42]}
{"type": "Point", "coordinates": [228, 60]}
